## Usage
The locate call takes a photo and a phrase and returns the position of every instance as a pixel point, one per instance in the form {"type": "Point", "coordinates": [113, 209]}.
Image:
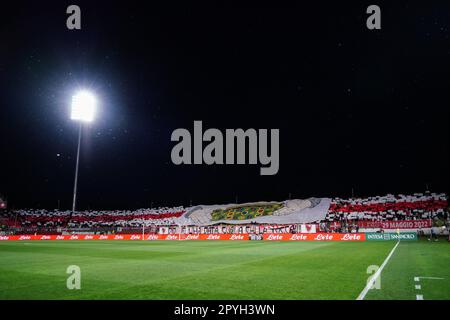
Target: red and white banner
{"type": "Point", "coordinates": [197, 237]}
{"type": "Point", "coordinates": [129, 237]}
{"type": "Point", "coordinates": [406, 224]}
{"type": "Point", "coordinates": [272, 237]}
{"type": "Point", "coordinates": [74, 237]}
{"type": "Point", "coordinates": [400, 224]}
{"type": "Point", "coordinates": [316, 237]}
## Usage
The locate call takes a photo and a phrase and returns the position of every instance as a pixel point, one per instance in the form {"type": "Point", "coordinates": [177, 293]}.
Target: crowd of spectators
{"type": "Point", "coordinates": [349, 215]}
{"type": "Point", "coordinates": [40, 218]}
{"type": "Point", "coordinates": [344, 215]}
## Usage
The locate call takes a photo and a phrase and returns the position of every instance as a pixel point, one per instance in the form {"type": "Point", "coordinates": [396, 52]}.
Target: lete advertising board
{"type": "Point", "coordinates": [269, 237]}
{"type": "Point", "coordinates": [315, 237]}
{"type": "Point", "coordinates": [129, 237]}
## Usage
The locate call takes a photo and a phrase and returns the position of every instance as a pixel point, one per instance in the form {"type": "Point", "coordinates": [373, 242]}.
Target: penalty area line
{"type": "Point", "coordinates": [372, 280]}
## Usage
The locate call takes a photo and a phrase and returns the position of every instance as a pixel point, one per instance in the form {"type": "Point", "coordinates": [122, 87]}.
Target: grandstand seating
{"type": "Point", "coordinates": [341, 212]}
{"type": "Point", "coordinates": [400, 207]}
{"type": "Point", "coordinates": [29, 218]}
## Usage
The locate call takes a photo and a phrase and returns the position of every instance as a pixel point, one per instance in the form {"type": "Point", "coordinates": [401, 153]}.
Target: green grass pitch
{"type": "Point", "coordinates": [222, 269]}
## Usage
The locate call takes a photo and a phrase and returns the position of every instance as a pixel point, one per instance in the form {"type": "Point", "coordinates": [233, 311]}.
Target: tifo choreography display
{"type": "Point", "coordinates": [314, 219]}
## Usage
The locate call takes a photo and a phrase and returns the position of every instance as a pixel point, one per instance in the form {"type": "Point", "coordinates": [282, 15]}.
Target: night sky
{"type": "Point", "coordinates": [356, 108]}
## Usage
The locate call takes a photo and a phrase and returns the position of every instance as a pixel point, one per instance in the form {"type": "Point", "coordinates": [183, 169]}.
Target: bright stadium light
{"type": "Point", "coordinates": [83, 106]}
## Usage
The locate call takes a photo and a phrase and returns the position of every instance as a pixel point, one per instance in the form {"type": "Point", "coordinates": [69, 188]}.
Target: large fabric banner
{"type": "Point", "coordinates": [296, 211]}
{"type": "Point", "coordinates": [400, 224]}
{"type": "Point", "coordinates": [406, 224]}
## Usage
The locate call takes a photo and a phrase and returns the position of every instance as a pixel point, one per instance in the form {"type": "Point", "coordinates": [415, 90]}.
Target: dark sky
{"type": "Point", "coordinates": [355, 108]}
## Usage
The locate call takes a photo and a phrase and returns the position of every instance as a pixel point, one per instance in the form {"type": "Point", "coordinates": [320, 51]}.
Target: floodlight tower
{"type": "Point", "coordinates": [83, 110]}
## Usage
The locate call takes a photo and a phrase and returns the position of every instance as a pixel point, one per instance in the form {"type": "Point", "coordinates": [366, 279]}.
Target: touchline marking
{"type": "Point", "coordinates": [376, 275]}
{"type": "Point", "coordinates": [418, 287]}
{"type": "Point", "coordinates": [419, 297]}
{"type": "Point", "coordinates": [432, 278]}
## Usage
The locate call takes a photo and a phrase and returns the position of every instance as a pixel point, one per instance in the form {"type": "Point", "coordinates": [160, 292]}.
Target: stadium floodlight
{"type": "Point", "coordinates": [84, 105]}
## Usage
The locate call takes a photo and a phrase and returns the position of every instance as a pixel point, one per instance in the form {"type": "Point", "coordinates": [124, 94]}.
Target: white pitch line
{"type": "Point", "coordinates": [419, 297]}
{"type": "Point", "coordinates": [418, 287]}
{"type": "Point", "coordinates": [432, 278]}
{"type": "Point", "coordinates": [372, 280]}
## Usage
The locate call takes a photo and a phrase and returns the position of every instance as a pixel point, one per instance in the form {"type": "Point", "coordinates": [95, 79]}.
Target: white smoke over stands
{"type": "Point", "coordinates": [213, 153]}
{"type": "Point", "coordinates": [84, 106]}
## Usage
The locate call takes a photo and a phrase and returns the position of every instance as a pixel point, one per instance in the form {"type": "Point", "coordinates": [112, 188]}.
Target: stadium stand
{"type": "Point", "coordinates": [401, 207]}
{"type": "Point", "coordinates": [355, 213]}
{"type": "Point", "coordinates": [335, 215]}
{"type": "Point", "coordinates": [32, 218]}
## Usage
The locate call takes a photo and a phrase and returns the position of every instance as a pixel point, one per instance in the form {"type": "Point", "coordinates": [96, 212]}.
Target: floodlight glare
{"type": "Point", "coordinates": [83, 106]}
{"type": "Point", "coordinates": [83, 110]}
